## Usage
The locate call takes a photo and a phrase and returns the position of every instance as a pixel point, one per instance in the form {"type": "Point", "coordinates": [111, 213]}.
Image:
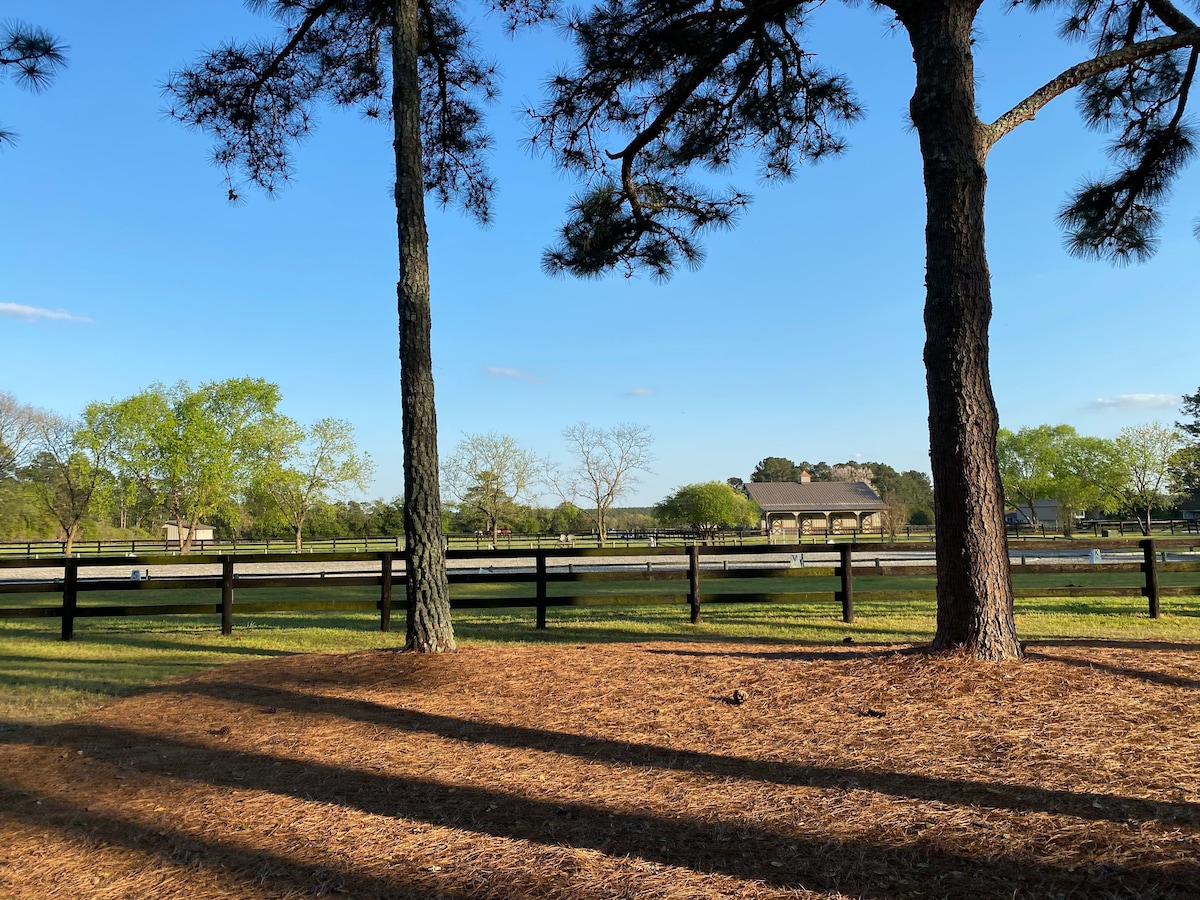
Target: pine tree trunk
{"type": "Point", "coordinates": [427, 591]}
{"type": "Point", "coordinates": [974, 587]}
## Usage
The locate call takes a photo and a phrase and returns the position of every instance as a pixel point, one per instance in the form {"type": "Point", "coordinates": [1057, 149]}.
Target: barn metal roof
{"type": "Point", "coordinates": [821, 496]}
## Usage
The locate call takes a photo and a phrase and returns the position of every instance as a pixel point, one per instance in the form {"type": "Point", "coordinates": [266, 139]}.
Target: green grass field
{"type": "Point", "coordinates": [44, 679]}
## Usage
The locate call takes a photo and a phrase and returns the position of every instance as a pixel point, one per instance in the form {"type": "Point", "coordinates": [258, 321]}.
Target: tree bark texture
{"type": "Point", "coordinates": [974, 587]}
{"type": "Point", "coordinates": [427, 591]}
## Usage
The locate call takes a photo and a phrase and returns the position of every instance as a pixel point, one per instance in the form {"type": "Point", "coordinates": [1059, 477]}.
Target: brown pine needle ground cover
{"type": "Point", "coordinates": [624, 770]}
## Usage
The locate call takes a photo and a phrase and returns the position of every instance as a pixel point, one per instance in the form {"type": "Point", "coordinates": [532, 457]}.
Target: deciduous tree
{"type": "Point", "coordinates": [304, 467]}
{"type": "Point", "coordinates": [491, 474]}
{"type": "Point", "coordinates": [664, 86]}
{"type": "Point", "coordinates": [853, 472]}
{"type": "Point", "coordinates": [1147, 451]}
{"type": "Point", "coordinates": [1030, 461]}
{"type": "Point", "coordinates": [195, 450]}
{"type": "Point", "coordinates": [20, 425]}
{"type": "Point", "coordinates": [605, 465]}
{"type": "Point", "coordinates": [707, 507]}
{"type": "Point", "coordinates": [66, 471]}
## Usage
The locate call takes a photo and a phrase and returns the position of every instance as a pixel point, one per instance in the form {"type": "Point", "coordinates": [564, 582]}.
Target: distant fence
{"type": "Point", "coordinates": [1105, 528]}
{"type": "Point", "coordinates": [508, 540]}
{"type": "Point", "coordinates": [683, 566]}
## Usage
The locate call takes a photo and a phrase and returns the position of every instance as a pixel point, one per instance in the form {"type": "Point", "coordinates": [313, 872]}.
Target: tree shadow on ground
{"type": "Point", "coordinates": [1086, 805]}
{"type": "Point", "coordinates": [1162, 678]}
{"type": "Point", "coordinates": [864, 650]}
{"type": "Point", "coordinates": [241, 869]}
{"type": "Point", "coordinates": [768, 855]}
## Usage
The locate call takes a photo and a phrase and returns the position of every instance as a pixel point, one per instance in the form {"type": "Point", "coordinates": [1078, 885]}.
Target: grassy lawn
{"type": "Point", "coordinates": [43, 679]}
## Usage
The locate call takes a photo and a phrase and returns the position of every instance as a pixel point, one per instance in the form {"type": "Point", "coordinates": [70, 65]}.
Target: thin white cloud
{"type": "Point", "coordinates": [1136, 401]}
{"type": "Point", "coordinates": [508, 372]}
{"type": "Point", "coordinates": [32, 313]}
{"type": "Point", "coordinates": [642, 392]}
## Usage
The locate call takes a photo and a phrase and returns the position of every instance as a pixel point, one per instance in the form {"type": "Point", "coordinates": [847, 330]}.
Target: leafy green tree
{"type": "Point", "coordinates": [666, 86]}
{"type": "Point", "coordinates": [65, 472]}
{"type": "Point", "coordinates": [491, 475]}
{"type": "Point", "coordinates": [1031, 462]}
{"type": "Point", "coordinates": [707, 507]}
{"type": "Point", "coordinates": [910, 491]}
{"type": "Point", "coordinates": [604, 466]}
{"type": "Point", "coordinates": [1185, 468]}
{"type": "Point", "coordinates": [1088, 475]}
{"type": "Point", "coordinates": [775, 468]}
{"type": "Point", "coordinates": [413, 62]}
{"type": "Point", "coordinates": [389, 515]}
{"type": "Point", "coordinates": [1185, 471]}
{"type": "Point", "coordinates": [33, 56]}
{"type": "Point", "coordinates": [305, 467]}
{"type": "Point", "coordinates": [1191, 409]}
{"type": "Point", "coordinates": [566, 518]}
{"type": "Point", "coordinates": [1148, 452]}
{"type": "Point", "coordinates": [195, 450]}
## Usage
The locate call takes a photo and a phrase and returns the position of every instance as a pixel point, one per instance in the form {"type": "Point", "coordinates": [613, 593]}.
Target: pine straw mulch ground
{"type": "Point", "coordinates": [624, 771]}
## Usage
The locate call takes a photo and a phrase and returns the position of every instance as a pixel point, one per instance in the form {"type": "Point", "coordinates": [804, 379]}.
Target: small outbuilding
{"type": "Point", "coordinates": [824, 507]}
{"type": "Point", "coordinates": [174, 533]}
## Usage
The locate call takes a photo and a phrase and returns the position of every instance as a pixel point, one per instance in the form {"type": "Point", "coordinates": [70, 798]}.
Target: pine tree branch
{"type": "Point", "coordinates": [1172, 16]}
{"type": "Point", "coordinates": [306, 25]}
{"type": "Point", "coordinates": [683, 90]}
{"type": "Point", "coordinates": [1028, 108]}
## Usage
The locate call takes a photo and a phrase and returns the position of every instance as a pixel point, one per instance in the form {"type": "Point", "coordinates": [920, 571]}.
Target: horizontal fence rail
{"type": "Point", "coordinates": [647, 538]}
{"type": "Point", "coordinates": [651, 575]}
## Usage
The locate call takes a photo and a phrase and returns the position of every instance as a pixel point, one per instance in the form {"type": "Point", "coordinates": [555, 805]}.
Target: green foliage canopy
{"type": "Point", "coordinates": [193, 450]}
{"type": "Point", "coordinates": [775, 469]}
{"type": "Point", "coordinates": [707, 507]}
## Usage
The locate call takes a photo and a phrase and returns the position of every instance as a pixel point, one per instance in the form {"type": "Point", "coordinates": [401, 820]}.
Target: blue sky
{"type": "Point", "coordinates": [800, 336]}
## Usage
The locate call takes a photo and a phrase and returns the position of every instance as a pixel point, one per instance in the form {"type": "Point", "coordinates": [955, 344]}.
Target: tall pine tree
{"type": "Point", "coordinates": [411, 61]}
{"type": "Point", "coordinates": [667, 85]}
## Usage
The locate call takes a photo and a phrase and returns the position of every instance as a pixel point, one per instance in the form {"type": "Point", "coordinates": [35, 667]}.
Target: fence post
{"type": "Point", "coordinates": [385, 593]}
{"type": "Point", "coordinates": [541, 589]}
{"type": "Point", "coordinates": [1150, 567]}
{"type": "Point", "coordinates": [694, 582]}
{"type": "Point", "coordinates": [70, 598]}
{"type": "Point", "coordinates": [226, 595]}
{"type": "Point", "coordinates": [847, 584]}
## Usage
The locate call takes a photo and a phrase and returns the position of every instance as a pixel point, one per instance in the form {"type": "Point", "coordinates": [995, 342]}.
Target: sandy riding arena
{"type": "Point", "coordinates": [659, 770]}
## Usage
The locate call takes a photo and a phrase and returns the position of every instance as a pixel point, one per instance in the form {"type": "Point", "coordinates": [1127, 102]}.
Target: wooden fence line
{"type": "Point", "coordinates": [1152, 563]}
{"type": "Point", "coordinates": [511, 541]}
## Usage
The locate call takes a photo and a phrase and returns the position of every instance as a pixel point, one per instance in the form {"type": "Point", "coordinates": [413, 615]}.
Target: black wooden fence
{"type": "Point", "coordinates": [685, 566]}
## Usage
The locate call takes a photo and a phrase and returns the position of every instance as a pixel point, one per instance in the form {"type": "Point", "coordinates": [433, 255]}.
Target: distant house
{"type": "Point", "coordinates": [1048, 513]}
{"type": "Point", "coordinates": [825, 507]}
{"type": "Point", "coordinates": [1190, 509]}
{"type": "Point", "coordinates": [172, 532]}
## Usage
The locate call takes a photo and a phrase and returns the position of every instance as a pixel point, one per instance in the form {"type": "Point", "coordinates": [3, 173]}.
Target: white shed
{"type": "Point", "coordinates": [173, 532]}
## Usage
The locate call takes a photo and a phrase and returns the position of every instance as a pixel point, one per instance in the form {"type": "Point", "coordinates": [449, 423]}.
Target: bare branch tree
{"type": "Point", "coordinates": [605, 466]}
